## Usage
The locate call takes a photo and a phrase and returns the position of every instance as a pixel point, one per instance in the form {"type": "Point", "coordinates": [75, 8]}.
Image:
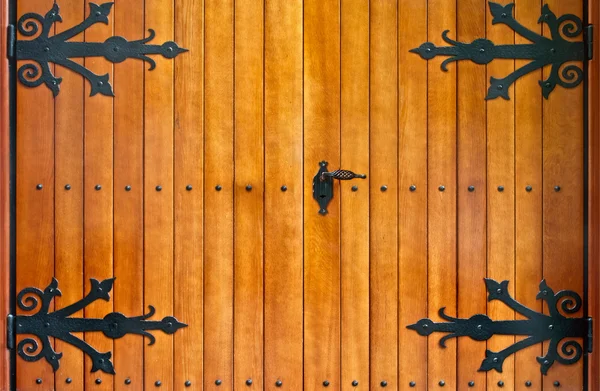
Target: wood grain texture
{"type": "Point", "coordinates": [98, 166]}
{"type": "Point", "coordinates": [528, 205]}
{"type": "Point", "coordinates": [441, 165]}
{"type": "Point", "coordinates": [158, 205]}
{"type": "Point", "coordinates": [189, 167]}
{"type": "Point", "coordinates": [128, 291]}
{"type": "Point", "coordinates": [563, 210]}
{"type": "Point", "coordinates": [501, 204]}
{"type": "Point", "coordinates": [355, 204]}
{"type": "Point", "coordinates": [35, 208]}
{"type": "Point", "coordinates": [321, 233]}
{"type": "Point", "coordinates": [472, 208]}
{"type": "Point", "coordinates": [283, 240]}
{"type": "Point", "coordinates": [218, 218]}
{"type": "Point", "coordinates": [248, 202]}
{"type": "Point", "coordinates": [383, 220]}
{"type": "Point", "coordinates": [68, 204]}
{"type": "Point", "coordinates": [412, 207]}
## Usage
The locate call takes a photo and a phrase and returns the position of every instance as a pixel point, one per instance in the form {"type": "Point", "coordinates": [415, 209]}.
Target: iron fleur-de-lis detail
{"type": "Point", "coordinates": [44, 49]}
{"type": "Point", "coordinates": [542, 51]}
{"type": "Point", "coordinates": [537, 327]}
{"type": "Point", "coordinates": [44, 325]}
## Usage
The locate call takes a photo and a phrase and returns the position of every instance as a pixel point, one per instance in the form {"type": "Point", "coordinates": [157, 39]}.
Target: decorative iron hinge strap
{"type": "Point", "coordinates": [588, 36]}
{"type": "Point", "coordinates": [11, 40]}
{"type": "Point", "coordinates": [10, 332]}
{"type": "Point", "coordinates": [590, 335]}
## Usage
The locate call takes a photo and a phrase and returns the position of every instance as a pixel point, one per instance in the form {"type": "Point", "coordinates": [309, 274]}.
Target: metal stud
{"type": "Point", "coordinates": [127, 188]}
{"type": "Point", "coordinates": [157, 383]}
{"type": "Point", "coordinates": [354, 188]}
{"type": "Point", "coordinates": [354, 383]}
{"type": "Point", "coordinates": [188, 383]}
{"type": "Point", "coordinates": [128, 381]}
{"type": "Point", "coordinates": [383, 383]}
{"type": "Point", "coordinates": [189, 187]}
{"type": "Point", "coordinates": [384, 188]}
{"type": "Point", "coordinates": [442, 188]}
{"type": "Point", "coordinates": [556, 383]}
{"type": "Point", "coordinates": [38, 380]}
{"type": "Point", "coordinates": [471, 189]}
{"type": "Point", "coordinates": [326, 383]}
{"type": "Point", "coordinates": [67, 187]}
{"type": "Point", "coordinates": [557, 188]}
{"type": "Point", "coordinates": [528, 188]}
{"type": "Point", "coordinates": [39, 186]}
{"type": "Point", "coordinates": [98, 187]}
{"type": "Point", "coordinates": [218, 188]}
{"type": "Point", "coordinates": [98, 381]}
{"type": "Point", "coordinates": [442, 383]}
{"type": "Point", "coordinates": [413, 188]}
{"type": "Point", "coordinates": [68, 380]}
{"type": "Point", "coordinates": [248, 187]}
{"type": "Point", "coordinates": [500, 383]}
{"type": "Point", "coordinates": [278, 383]}
{"type": "Point", "coordinates": [284, 188]}
{"type": "Point", "coordinates": [158, 188]}
{"type": "Point", "coordinates": [471, 383]}
{"type": "Point", "coordinates": [500, 188]}
{"type": "Point", "coordinates": [527, 383]}
{"type": "Point", "coordinates": [249, 382]}
{"type": "Point", "coordinates": [218, 382]}
{"type": "Point", "coordinates": [412, 384]}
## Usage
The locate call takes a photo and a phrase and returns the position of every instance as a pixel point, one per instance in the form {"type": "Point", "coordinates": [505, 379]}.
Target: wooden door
{"type": "Point", "coordinates": [173, 199]}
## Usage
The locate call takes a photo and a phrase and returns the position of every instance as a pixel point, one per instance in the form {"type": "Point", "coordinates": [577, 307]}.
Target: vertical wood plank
{"type": "Point", "coordinates": [68, 204]}
{"type": "Point", "coordinates": [441, 166]}
{"type": "Point", "coordinates": [383, 223]}
{"type": "Point", "coordinates": [283, 209]}
{"type": "Point", "coordinates": [189, 165]}
{"type": "Point", "coordinates": [354, 204]}
{"type": "Point", "coordinates": [158, 202]}
{"type": "Point", "coordinates": [218, 220]}
{"type": "Point", "coordinates": [501, 203]}
{"type": "Point", "coordinates": [471, 258]}
{"type": "Point", "coordinates": [563, 210]}
{"type": "Point", "coordinates": [98, 197]}
{"type": "Point", "coordinates": [248, 193]}
{"type": "Point", "coordinates": [128, 211]}
{"type": "Point", "coordinates": [35, 208]}
{"type": "Point", "coordinates": [528, 204]}
{"type": "Point", "coordinates": [412, 208]}
{"type": "Point", "coordinates": [321, 233]}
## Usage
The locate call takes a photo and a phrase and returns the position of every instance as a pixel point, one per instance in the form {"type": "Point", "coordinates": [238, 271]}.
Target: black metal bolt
{"type": "Point", "coordinates": [552, 50]}
{"type": "Point", "coordinates": [383, 383]}
{"type": "Point", "coordinates": [556, 383]}
{"type": "Point", "coordinates": [189, 187]}
{"type": "Point", "coordinates": [218, 188]}
{"type": "Point", "coordinates": [528, 188]}
{"type": "Point", "coordinates": [355, 188]}
{"type": "Point", "coordinates": [546, 362]}
{"type": "Point", "coordinates": [157, 383]}
{"type": "Point", "coordinates": [248, 187]}
{"type": "Point", "coordinates": [384, 188]}
{"type": "Point", "coordinates": [98, 381]}
{"type": "Point", "coordinates": [68, 380]}
{"type": "Point", "coordinates": [98, 187]}
{"type": "Point", "coordinates": [500, 383]}
{"type": "Point", "coordinates": [158, 188]}
{"type": "Point", "coordinates": [504, 15]}
{"type": "Point", "coordinates": [98, 13]}
{"type": "Point", "coordinates": [550, 327]}
{"type": "Point", "coordinates": [442, 188]}
{"type": "Point", "coordinates": [249, 382]}
{"type": "Point", "coordinates": [500, 86]}
{"type": "Point", "coordinates": [284, 188]}
{"type": "Point", "coordinates": [278, 383]}
{"type": "Point", "coordinates": [188, 383]}
{"type": "Point", "coordinates": [67, 187]}
{"type": "Point", "coordinates": [500, 188]}
{"type": "Point", "coordinates": [127, 188]}
{"type": "Point", "coordinates": [413, 188]}
{"type": "Point", "coordinates": [527, 383]}
{"type": "Point", "coordinates": [442, 383]}
{"type": "Point", "coordinates": [39, 186]}
{"type": "Point", "coordinates": [495, 359]}
{"type": "Point", "coordinates": [100, 84]}
{"type": "Point", "coordinates": [412, 384]}
{"type": "Point", "coordinates": [326, 383]}
{"type": "Point", "coordinates": [38, 380]}
{"type": "Point", "coordinates": [128, 381]}
{"type": "Point", "coordinates": [354, 383]}
{"type": "Point", "coordinates": [218, 382]}
{"type": "Point", "coordinates": [482, 50]}
{"type": "Point", "coordinates": [545, 292]}
{"type": "Point", "coordinates": [471, 188]}
{"type": "Point", "coordinates": [46, 49]}
{"type": "Point", "coordinates": [557, 188]}
{"type": "Point", "coordinates": [499, 291]}
{"type": "Point", "coordinates": [471, 383]}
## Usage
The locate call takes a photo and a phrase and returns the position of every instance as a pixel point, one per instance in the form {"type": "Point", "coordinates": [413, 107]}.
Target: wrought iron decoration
{"type": "Point", "coordinates": [542, 51]}
{"type": "Point", "coordinates": [323, 184]}
{"type": "Point", "coordinates": [538, 327]}
{"type": "Point", "coordinates": [45, 49]}
{"type": "Point", "coordinates": [58, 324]}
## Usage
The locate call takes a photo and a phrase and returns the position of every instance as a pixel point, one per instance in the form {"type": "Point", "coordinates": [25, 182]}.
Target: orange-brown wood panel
{"type": "Point", "coordinates": [321, 233]}
{"type": "Point", "coordinates": [248, 194]}
{"type": "Point", "coordinates": [441, 217]}
{"type": "Point", "coordinates": [501, 200]}
{"type": "Point", "coordinates": [98, 198]}
{"type": "Point", "coordinates": [35, 207]}
{"type": "Point", "coordinates": [383, 221]}
{"type": "Point", "coordinates": [283, 205]}
{"type": "Point", "coordinates": [563, 205]}
{"type": "Point", "coordinates": [528, 200]}
{"type": "Point", "coordinates": [472, 191]}
{"type": "Point", "coordinates": [68, 199]}
{"type": "Point", "coordinates": [128, 296]}
{"type": "Point", "coordinates": [412, 208]}
{"type": "Point", "coordinates": [355, 203]}
{"type": "Point", "coordinates": [188, 193]}
{"type": "Point", "coordinates": [158, 195]}
{"type": "Point", "coordinates": [218, 198]}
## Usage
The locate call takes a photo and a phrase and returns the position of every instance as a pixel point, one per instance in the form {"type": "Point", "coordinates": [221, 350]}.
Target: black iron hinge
{"type": "Point", "coordinates": [588, 36]}
{"type": "Point", "coordinates": [11, 41]}
{"type": "Point", "coordinates": [590, 335]}
{"type": "Point", "coordinates": [10, 332]}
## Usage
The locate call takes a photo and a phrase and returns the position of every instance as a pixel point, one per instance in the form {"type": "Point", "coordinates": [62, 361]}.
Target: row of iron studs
{"type": "Point", "coordinates": [412, 188]}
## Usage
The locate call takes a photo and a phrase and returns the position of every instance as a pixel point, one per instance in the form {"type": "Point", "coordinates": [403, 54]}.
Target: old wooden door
{"type": "Point", "coordinates": [179, 214]}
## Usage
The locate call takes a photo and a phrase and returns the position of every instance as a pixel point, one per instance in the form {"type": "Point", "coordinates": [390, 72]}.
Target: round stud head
{"type": "Point", "coordinates": [38, 381]}
{"type": "Point", "coordinates": [442, 383]}
{"type": "Point", "coordinates": [68, 380]}
{"type": "Point", "coordinates": [218, 188]}
{"type": "Point", "coordinates": [249, 382]}
{"type": "Point", "coordinates": [471, 383]}
{"type": "Point", "coordinates": [188, 383]}
{"type": "Point", "coordinates": [157, 383]}
{"type": "Point", "coordinates": [158, 188]}
{"type": "Point", "coordinates": [412, 384]}
{"type": "Point", "coordinates": [557, 188]}
{"type": "Point", "coordinates": [128, 381]}
{"type": "Point", "coordinates": [442, 188]}
{"type": "Point", "coordinates": [39, 186]}
{"type": "Point", "coordinates": [500, 188]}
{"type": "Point", "coordinates": [527, 383]}
{"type": "Point", "coordinates": [98, 187]}
{"type": "Point", "coordinates": [355, 188]}
{"type": "Point", "coordinates": [326, 383]}
{"type": "Point", "coordinates": [383, 383]}
{"type": "Point", "coordinates": [284, 188]}
{"type": "Point", "coordinates": [189, 187]}
{"type": "Point", "coordinates": [500, 383]}
{"type": "Point", "coordinates": [528, 188]}
{"type": "Point", "coordinates": [127, 188]}
{"type": "Point", "coordinates": [354, 383]}
{"type": "Point", "coordinates": [413, 188]}
{"type": "Point", "coordinates": [67, 187]}
{"type": "Point", "coordinates": [98, 381]}
{"type": "Point", "coordinates": [278, 383]}
{"type": "Point", "coordinates": [556, 383]}
{"type": "Point", "coordinates": [471, 188]}
{"type": "Point", "coordinates": [218, 382]}
{"type": "Point", "coordinates": [248, 187]}
{"type": "Point", "coordinates": [384, 188]}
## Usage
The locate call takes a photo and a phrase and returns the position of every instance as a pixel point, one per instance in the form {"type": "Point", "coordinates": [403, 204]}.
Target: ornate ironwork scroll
{"type": "Point", "coordinates": [44, 325]}
{"type": "Point", "coordinates": [556, 51]}
{"type": "Point", "coordinates": [44, 49]}
{"type": "Point", "coordinates": [560, 330]}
